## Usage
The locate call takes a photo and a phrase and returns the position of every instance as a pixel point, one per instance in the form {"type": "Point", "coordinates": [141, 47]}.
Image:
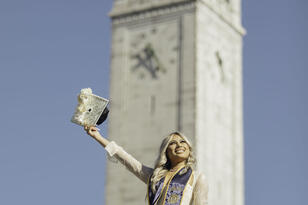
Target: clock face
{"type": "Point", "coordinates": [148, 60]}
{"type": "Point", "coordinates": [150, 82]}
{"type": "Point", "coordinates": [220, 70]}
{"type": "Point", "coordinates": [153, 51]}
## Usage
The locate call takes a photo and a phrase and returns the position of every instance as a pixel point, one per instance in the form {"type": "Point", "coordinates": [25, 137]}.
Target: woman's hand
{"type": "Point", "coordinates": [93, 132]}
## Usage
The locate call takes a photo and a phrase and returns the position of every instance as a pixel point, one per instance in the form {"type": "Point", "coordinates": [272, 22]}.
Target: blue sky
{"type": "Point", "coordinates": [49, 50]}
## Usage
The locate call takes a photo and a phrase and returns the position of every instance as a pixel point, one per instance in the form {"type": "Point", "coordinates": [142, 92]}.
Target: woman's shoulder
{"type": "Point", "coordinates": [200, 189]}
{"type": "Point", "coordinates": [199, 178]}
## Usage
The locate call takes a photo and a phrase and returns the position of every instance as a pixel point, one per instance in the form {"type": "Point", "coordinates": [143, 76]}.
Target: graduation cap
{"type": "Point", "coordinates": [91, 109]}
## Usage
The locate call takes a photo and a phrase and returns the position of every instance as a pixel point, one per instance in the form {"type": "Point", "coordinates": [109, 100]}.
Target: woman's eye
{"type": "Point", "coordinates": [171, 143]}
{"type": "Point", "coordinates": [183, 141]}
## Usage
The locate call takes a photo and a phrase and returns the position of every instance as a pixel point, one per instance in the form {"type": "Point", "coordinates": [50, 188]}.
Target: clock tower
{"type": "Point", "coordinates": [177, 65]}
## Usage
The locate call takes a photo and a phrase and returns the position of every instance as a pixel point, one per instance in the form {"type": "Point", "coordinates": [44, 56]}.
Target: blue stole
{"type": "Point", "coordinates": [174, 189]}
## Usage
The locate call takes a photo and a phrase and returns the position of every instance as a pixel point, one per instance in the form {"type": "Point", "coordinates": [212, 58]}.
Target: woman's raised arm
{"type": "Point", "coordinates": [133, 165]}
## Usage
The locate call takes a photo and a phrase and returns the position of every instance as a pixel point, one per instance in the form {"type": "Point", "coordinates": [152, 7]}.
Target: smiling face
{"type": "Point", "coordinates": [178, 149]}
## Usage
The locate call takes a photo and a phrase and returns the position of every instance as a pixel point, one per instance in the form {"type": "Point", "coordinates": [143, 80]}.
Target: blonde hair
{"type": "Point", "coordinates": [163, 164]}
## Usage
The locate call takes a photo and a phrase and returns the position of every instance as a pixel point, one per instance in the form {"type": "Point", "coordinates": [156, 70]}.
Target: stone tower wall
{"type": "Point", "coordinates": [219, 106]}
{"type": "Point", "coordinates": [196, 89]}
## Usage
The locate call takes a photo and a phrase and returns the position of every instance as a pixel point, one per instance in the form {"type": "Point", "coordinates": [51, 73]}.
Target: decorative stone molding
{"type": "Point", "coordinates": [132, 6]}
{"type": "Point", "coordinates": [128, 17]}
{"type": "Point", "coordinates": [120, 16]}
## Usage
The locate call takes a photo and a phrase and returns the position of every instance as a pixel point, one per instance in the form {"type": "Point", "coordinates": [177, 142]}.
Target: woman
{"type": "Point", "coordinates": [173, 179]}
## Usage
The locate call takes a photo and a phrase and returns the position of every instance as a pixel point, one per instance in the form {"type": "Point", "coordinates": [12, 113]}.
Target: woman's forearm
{"type": "Point", "coordinates": [101, 140]}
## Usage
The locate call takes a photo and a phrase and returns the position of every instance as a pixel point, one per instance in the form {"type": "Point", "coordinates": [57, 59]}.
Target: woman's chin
{"type": "Point", "coordinates": [180, 157]}
{"type": "Point", "coordinates": [183, 155]}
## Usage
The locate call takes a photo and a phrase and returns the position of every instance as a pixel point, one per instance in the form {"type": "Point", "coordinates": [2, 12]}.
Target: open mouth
{"type": "Point", "coordinates": [180, 151]}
